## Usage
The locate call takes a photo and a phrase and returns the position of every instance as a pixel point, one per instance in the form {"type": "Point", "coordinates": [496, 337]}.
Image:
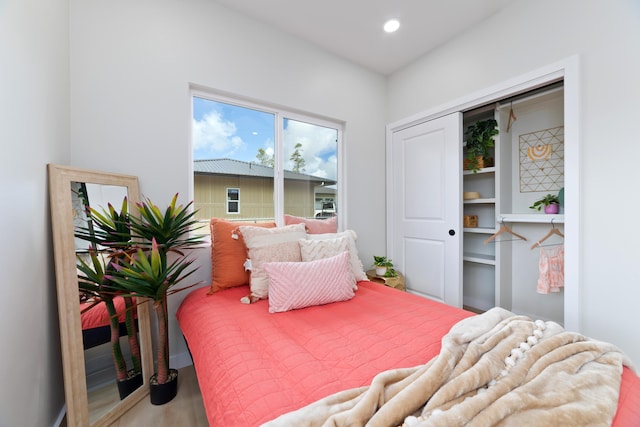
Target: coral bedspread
{"type": "Point", "coordinates": [253, 366]}
{"type": "Point", "coordinates": [97, 315]}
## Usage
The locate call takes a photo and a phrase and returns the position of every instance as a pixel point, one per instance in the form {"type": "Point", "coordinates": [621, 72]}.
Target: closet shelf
{"type": "Point", "coordinates": [483, 201]}
{"type": "Point", "coordinates": [531, 218]}
{"type": "Point", "coordinates": [479, 230]}
{"type": "Point", "coordinates": [479, 258]}
{"type": "Point", "coordinates": [492, 169]}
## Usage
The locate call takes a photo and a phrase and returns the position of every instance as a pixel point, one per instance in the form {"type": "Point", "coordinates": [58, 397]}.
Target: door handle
{"type": "Point", "coordinates": [452, 232]}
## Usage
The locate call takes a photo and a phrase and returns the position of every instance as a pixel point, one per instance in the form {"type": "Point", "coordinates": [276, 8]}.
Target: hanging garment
{"type": "Point", "coordinates": [551, 266]}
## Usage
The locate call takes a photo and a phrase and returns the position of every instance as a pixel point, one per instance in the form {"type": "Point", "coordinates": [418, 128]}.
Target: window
{"type": "Point", "coordinates": [233, 200]}
{"type": "Point", "coordinates": [281, 161]}
{"type": "Point", "coordinates": [311, 166]}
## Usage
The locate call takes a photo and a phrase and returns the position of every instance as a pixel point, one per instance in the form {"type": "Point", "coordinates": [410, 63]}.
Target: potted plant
{"type": "Point", "coordinates": [478, 141]}
{"type": "Point", "coordinates": [550, 202]}
{"type": "Point", "coordinates": [153, 271]}
{"type": "Point", "coordinates": [384, 266]}
{"type": "Point", "coordinates": [109, 236]}
{"type": "Point", "coordinates": [98, 289]}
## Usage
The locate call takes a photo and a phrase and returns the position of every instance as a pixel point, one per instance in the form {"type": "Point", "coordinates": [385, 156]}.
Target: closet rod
{"type": "Point", "coordinates": [516, 100]}
{"type": "Point", "coordinates": [531, 218]}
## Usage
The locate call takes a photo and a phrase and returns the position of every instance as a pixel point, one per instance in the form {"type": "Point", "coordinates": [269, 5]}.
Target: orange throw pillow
{"type": "Point", "coordinates": [228, 254]}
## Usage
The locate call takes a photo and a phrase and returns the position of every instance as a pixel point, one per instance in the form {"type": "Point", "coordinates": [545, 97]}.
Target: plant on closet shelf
{"type": "Point", "coordinates": [550, 203]}
{"type": "Point", "coordinates": [153, 269]}
{"type": "Point", "coordinates": [478, 141]}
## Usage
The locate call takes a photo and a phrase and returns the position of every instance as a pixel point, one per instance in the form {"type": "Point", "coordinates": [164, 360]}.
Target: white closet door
{"type": "Point", "coordinates": [424, 208]}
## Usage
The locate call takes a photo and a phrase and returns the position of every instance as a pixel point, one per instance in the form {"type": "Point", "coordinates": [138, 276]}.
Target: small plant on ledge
{"type": "Point", "coordinates": [384, 267]}
{"type": "Point", "coordinates": [550, 202]}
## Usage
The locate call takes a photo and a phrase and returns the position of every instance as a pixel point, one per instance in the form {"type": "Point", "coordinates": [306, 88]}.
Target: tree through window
{"type": "Point", "coordinates": [236, 150]}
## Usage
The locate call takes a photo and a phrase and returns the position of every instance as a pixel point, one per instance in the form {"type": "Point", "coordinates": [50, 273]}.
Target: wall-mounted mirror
{"type": "Point", "coordinates": [94, 391]}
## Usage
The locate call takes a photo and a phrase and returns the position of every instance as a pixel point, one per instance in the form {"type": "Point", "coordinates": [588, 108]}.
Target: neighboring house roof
{"type": "Point", "coordinates": [238, 167]}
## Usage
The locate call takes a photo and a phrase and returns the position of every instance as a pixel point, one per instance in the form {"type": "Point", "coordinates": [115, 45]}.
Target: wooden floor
{"type": "Point", "coordinates": [473, 309]}
{"type": "Point", "coordinates": [186, 409]}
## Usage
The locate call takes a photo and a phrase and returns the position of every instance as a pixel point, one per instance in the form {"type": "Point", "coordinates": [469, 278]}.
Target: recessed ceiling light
{"type": "Point", "coordinates": [391, 25]}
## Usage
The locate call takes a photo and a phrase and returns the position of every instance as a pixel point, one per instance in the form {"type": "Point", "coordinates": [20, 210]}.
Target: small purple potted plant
{"type": "Point", "coordinates": [550, 203]}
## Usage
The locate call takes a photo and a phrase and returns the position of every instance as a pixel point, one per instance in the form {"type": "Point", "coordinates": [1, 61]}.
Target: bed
{"type": "Point", "coordinates": [316, 343]}
{"type": "Point", "coordinates": [253, 366]}
{"type": "Point", "coordinates": [96, 329]}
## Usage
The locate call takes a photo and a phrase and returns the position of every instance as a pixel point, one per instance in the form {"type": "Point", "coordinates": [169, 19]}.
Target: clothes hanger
{"type": "Point", "coordinates": [553, 231]}
{"type": "Point", "coordinates": [512, 117]}
{"type": "Point", "coordinates": [504, 229]}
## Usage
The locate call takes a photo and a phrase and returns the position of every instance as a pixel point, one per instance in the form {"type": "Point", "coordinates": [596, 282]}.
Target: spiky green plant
{"type": "Point", "coordinates": [159, 264]}
{"type": "Point", "coordinates": [107, 227]}
{"type": "Point", "coordinates": [149, 274]}
{"type": "Point", "coordinates": [93, 282]}
{"type": "Point", "coordinates": [108, 233]}
{"type": "Point", "coordinates": [170, 229]}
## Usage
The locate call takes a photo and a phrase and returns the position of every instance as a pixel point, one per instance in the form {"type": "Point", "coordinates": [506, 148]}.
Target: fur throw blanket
{"type": "Point", "coordinates": [496, 368]}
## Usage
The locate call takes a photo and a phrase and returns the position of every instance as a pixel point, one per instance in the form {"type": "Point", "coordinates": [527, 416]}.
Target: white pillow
{"type": "Point", "coordinates": [356, 264]}
{"type": "Point", "coordinates": [313, 250]}
{"type": "Point", "coordinates": [269, 245]}
{"type": "Point", "coordinates": [294, 285]}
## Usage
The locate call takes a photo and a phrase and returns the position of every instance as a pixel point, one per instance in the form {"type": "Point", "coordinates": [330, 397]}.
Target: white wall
{"type": "Point", "coordinates": [34, 131]}
{"type": "Point", "coordinates": [528, 36]}
{"type": "Point", "coordinates": [131, 66]}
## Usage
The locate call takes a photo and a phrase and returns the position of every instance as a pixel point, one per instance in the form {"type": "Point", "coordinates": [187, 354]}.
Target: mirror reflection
{"type": "Point", "coordinates": [105, 337]}
{"type": "Point", "coordinates": [109, 320]}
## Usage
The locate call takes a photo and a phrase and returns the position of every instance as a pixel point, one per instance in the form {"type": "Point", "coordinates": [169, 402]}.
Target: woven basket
{"type": "Point", "coordinates": [470, 221]}
{"type": "Point", "coordinates": [480, 160]}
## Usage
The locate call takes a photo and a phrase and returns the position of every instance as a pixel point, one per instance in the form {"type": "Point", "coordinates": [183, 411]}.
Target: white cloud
{"type": "Point", "coordinates": [268, 148]}
{"type": "Point", "coordinates": [213, 137]}
{"type": "Point", "coordinates": [318, 148]}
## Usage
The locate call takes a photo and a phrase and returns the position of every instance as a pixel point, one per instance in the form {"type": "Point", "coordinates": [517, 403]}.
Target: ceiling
{"type": "Point", "coordinates": [353, 28]}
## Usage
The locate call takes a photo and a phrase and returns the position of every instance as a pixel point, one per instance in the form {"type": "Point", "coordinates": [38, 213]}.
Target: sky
{"type": "Point", "coordinates": [227, 131]}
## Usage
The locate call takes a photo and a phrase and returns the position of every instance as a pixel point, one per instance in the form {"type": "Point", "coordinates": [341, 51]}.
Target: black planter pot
{"type": "Point", "coordinates": [163, 393]}
{"type": "Point", "coordinates": [131, 384]}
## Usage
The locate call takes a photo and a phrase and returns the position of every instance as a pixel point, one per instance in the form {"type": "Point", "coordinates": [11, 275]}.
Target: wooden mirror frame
{"type": "Point", "coordinates": [75, 386]}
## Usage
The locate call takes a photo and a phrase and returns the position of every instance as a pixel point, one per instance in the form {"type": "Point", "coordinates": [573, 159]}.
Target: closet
{"type": "Point", "coordinates": [500, 267]}
{"type": "Point", "coordinates": [536, 153]}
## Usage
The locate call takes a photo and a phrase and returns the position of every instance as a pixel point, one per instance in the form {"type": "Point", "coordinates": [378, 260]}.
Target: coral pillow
{"type": "Point", "coordinates": [270, 245]}
{"type": "Point", "coordinates": [295, 285]}
{"type": "Point", "coordinates": [228, 254]}
{"type": "Point", "coordinates": [356, 264]}
{"type": "Point", "coordinates": [314, 226]}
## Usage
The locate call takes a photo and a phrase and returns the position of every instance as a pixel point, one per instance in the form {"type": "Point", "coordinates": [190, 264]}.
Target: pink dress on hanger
{"type": "Point", "coordinates": [551, 266]}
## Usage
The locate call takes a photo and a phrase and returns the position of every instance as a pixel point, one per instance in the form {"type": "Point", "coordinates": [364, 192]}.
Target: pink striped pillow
{"type": "Point", "coordinates": [314, 226]}
{"type": "Point", "coordinates": [295, 285]}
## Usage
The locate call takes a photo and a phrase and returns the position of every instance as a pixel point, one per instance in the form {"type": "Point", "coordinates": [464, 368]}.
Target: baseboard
{"type": "Point", "coordinates": [180, 360]}
{"type": "Point", "coordinates": [61, 417]}
{"type": "Point", "coordinates": [477, 304]}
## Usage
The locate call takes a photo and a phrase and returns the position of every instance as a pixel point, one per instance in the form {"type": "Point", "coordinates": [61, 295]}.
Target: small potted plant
{"type": "Point", "coordinates": [157, 264]}
{"type": "Point", "coordinates": [384, 266]}
{"type": "Point", "coordinates": [478, 141]}
{"type": "Point", "coordinates": [550, 203]}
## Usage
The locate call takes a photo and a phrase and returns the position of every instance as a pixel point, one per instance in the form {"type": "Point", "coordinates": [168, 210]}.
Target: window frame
{"type": "Point", "coordinates": [280, 113]}
{"type": "Point", "coordinates": [229, 200]}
